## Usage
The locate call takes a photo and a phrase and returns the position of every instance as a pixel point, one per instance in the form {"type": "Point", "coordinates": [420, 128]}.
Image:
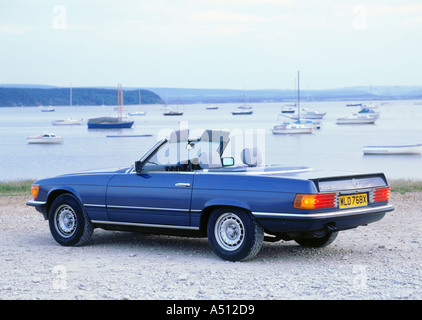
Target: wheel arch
{"type": "Point", "coordinates": [53, 194]}
{"type": "Point", "coordinates": [212, 205]}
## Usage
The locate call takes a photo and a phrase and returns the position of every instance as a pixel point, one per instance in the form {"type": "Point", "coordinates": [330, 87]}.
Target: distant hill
{"type": "Point", "coordinates": [36, 95]}
{"type": "Point", "coordinates": [361, 93]}
{"type": "Point", "coordinates": [24, 96]}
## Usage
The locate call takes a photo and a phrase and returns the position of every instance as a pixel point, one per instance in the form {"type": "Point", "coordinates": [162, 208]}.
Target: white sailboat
{"type": "Point", "coordinates": [294, 127]}
{"type": "Point", "coordinates": [68, 121]}
{"type": "Point", "coordinates": [243, 110]}
{"type": "Point", "coordinates": [138, 113]}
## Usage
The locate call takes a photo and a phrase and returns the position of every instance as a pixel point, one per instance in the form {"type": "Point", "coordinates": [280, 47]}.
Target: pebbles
{"type": "Point", "coordinates": [381, 261]}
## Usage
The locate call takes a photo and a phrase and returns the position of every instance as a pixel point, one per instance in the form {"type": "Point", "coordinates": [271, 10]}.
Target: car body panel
{"type": "Point", "coordinates": [161, 198]}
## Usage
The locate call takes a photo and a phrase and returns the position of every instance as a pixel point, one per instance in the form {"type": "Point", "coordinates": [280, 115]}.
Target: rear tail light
{"type": "Point", "coordinates": [380, 194]}
{"type": "Point", "coordinates": [315, 201]}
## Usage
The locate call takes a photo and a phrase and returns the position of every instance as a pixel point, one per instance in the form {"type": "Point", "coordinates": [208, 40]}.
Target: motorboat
{"type": "Point", "coordinates": [356, 118]}
{"type": "Point", "coordinates": [48, 109]}
{"type": "Point", "coordinates": [314, 123]}
{"type": "Point", "coordinates": [370, 112]}
{"type": "Point", "coordinates": [312, 114]}
{"type": "Point", "coordinates": [137, 113]}
{"type": "Point", "coordinates": [241, 112]}
{"type": "Point", "coordinates": [288, 109]}
{"type": "Point", "coordinates": [292, 128]}
{"type": "Point", "coordinates": [67, 122]}
{"type": "Point", "coordinates": [400, 149]}
{"type": "Point", "coordinates": [173, 113]}
{"type": "Point", "coordinates": [45, 138]}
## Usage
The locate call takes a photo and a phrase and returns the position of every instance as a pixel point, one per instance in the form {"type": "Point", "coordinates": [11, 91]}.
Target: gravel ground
{"type": "Point", "coordinates": [380, 261]}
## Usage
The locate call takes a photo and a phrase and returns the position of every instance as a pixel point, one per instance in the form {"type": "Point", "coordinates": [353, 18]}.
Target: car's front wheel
{"type": "Point", "coordinates": [69, 223]}
{"type": "Point", "coordinates": [234, 234]}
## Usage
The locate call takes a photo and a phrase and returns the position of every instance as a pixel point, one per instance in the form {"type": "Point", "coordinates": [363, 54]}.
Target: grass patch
{"type": "Point", "coordinates": [16, 188]}
{"type": "Point", "coordinates": [405, 185]}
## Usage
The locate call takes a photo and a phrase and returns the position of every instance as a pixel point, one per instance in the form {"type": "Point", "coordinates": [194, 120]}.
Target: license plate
{"type": "Point", "coordinates": [353, 200]}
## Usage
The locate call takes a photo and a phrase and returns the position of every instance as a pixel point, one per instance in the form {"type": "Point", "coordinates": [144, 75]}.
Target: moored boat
{"type": "Point", "coordinates": [109, 123]}
{"type": "Point", "coordinates": [241, 112]}
{"type": "Point", "coordinates": [45, 138]}
{"type": "Point", "coordinates": [173, 113]}
{"type": "Point", "coordinates": [400, 149]}
{"type": "Point", "coordinates": [291, 128]}
{"type": "Point", "coordinates": [137, 113]}
{"type": "Point", "coordinates": [112, 122]}
{"type": "Point", "coordinates": [67, 122]}
{"type": "Point", "coordinates": [357, 119]}
{"type": "Point", "coordinates": [312, 114]}
{"type": "Point", "coordinates": [48, 109]}
{"type": "Point", "coordinates": [288, 109]}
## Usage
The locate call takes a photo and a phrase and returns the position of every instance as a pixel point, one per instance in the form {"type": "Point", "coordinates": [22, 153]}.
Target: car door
{"type": "Point", "coordinates": [150, 198]}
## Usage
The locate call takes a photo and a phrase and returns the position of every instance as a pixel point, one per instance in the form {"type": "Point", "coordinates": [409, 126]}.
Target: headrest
{"type": "Point", "coordinates": [251, 157]}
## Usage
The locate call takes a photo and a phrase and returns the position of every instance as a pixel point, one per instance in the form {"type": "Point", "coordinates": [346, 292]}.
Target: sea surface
{"type": "Point", "coordinates": [331, 147]}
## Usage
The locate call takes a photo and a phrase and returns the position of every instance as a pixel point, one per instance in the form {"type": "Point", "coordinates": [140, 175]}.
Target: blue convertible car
{"type": "Point", "coordinates": [184, 186]}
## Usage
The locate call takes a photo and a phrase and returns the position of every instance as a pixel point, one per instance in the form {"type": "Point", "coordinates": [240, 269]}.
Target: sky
{"type": "Point", "coordinates": [217, 44]}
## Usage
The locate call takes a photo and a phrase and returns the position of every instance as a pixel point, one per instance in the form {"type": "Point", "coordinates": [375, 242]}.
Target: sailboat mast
{"type": "Point", "coordinates": [298, 96]}
{"type": "Point", "coordinates": [120, 101]}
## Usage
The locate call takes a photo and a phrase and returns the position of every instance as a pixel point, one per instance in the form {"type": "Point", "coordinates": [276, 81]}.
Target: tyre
{"type": "Point", "coordinates": [318, 242]}
{"type": "Point", "coordinates": [234, 234]}
{"type": "Point", "coordinates": [69, 223]}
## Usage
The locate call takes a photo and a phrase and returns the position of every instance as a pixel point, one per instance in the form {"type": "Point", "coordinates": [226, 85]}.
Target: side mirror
{"type": "Point", "coordinates": [228, 161]}
{"type": "Point", "coordinates": [138, 166]}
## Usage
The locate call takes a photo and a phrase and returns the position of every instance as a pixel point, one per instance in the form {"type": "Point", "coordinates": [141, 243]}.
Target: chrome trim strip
{"type": "Point", "coordinates": [146, 208]}
{"type": "Point", "coordinates": [36, 203]}
{"type": "Point", "coordinates": [251, 172]}
{"type": "Point", "coordinates": [95, 205]}
{"type": "Point", "coordinates": [322, 215]}
{"type": "Point", "coordinates": [134, 224]}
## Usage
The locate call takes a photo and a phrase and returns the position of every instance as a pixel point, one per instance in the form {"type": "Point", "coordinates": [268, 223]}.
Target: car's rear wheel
{"type": "Point", "coordinates": [318, 242]}
{"type": "Point", "coordinates": [234, 234]}
{"type": "Point", "coordinates": [69, 223]}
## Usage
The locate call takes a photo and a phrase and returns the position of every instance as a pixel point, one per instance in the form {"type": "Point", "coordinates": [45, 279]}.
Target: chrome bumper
{"type": "Point", "coordinates": [324, 215]}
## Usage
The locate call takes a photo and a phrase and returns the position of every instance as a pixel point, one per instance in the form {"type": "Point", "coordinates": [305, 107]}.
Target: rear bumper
{"type": "Point", "coordinates": [339, 220]}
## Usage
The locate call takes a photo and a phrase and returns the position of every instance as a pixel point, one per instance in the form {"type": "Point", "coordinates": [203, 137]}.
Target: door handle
{"type": "Point", "coordinates": [182, 184]}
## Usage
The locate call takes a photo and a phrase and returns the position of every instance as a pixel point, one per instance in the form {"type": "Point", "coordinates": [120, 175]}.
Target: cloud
{"type": "Point", "coordinates": [223, 16]}
{"type": "Point", "coordinates": [395, 10]}
{"type": "Point", "coordinates": [14, 29]}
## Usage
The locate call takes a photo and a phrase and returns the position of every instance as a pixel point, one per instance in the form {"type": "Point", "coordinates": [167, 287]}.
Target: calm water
{"type": "Point", "coordinates": [332, 147]}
